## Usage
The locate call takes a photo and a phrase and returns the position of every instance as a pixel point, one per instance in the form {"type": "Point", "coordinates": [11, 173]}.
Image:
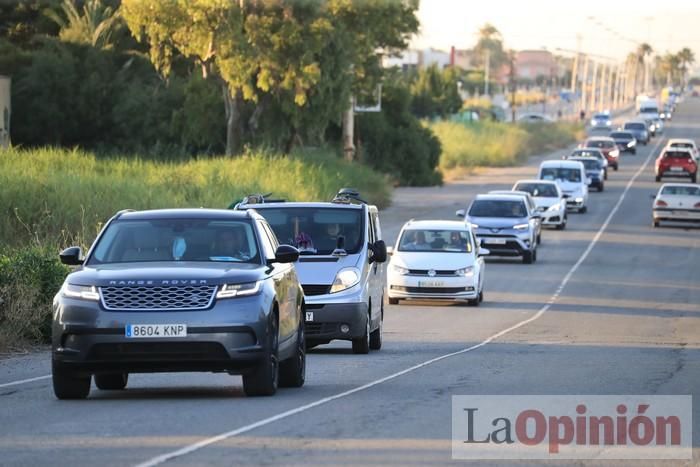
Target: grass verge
{"type": "Point", "coordinates": [494, 144]}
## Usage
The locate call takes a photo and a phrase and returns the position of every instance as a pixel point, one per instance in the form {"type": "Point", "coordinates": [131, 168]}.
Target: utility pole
{"type": "Point", "coordinates": [349, 131]}
{"type": "Point", "coordinates": [513, 84]}
{"type": "Point", "coordinates": [584, 82]}
{"type": "Point", "coordinates": [487, 65]}
{"type": "Point", "coordinates": [594, 87]}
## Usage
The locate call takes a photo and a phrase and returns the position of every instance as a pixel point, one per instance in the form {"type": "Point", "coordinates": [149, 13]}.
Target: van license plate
{"type": "Point", "coordinates": [156, 330]}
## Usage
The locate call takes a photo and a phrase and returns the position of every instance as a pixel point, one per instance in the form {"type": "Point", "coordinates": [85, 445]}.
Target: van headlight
{"type": "Point", "coordinates": [346, 278]}
{"type": "Point", "coordinates": [399, 270]}
{"type": "Point", "coordinates": [239, 290]}
{"type": "Point", "coordinates": [465, 272]}
{"type": "Point", "coordinates": [83, 292]}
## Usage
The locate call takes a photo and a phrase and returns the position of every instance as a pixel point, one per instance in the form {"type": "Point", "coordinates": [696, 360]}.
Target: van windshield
{"type": "Point", "coordinates": [315, 230]}
{"type": "Point", "coordinates": [556, 173]}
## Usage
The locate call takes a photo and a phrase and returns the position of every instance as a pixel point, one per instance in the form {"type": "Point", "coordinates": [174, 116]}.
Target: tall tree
{"type": "Point", "coordinates": [93, 24]}
{"type": "Point", "coordinates": [644, 50]}
{"type": "Point", "coordinates": [686, 57]}
{"type": "Point", "coordinates": [490, 42]}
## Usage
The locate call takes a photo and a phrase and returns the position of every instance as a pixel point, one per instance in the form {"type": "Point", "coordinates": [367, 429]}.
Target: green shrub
{"type": "Point", "coordinates": [393, 141]}
{"type": "Point", "coordinates": [29, 278]}
{"type": "Point", "coordinates": [58, 197]}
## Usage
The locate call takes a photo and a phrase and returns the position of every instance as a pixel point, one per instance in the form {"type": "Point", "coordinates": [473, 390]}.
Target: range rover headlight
{"type": "Point", "coordinates": [346, 278]}
{"type": "Point", "coordinates": [239, 290]}
{"type": "Point", "coordinates": [83, 292]}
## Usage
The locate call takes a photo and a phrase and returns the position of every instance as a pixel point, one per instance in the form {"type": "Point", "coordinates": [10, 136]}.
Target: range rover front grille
{"type": "Point", "coordinates": [166, 298]}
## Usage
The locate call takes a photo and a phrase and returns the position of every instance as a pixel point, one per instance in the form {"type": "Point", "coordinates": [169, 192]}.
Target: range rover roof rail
{"type": "Point", "coordinates": [347, 196]}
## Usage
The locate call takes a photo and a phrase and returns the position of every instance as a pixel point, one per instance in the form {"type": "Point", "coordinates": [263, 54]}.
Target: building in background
{"type": "Point", "coordinates": [418, 59]}
{"type": "Point", "coordinates": [534, 64]}
{"type": "Point", "coordinates": [5, 111]}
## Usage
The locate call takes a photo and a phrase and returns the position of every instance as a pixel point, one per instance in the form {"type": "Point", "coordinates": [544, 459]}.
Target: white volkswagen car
{"type": "Point", "coordinates": [436, 260]}
{"type": "Point", "coordinates": [549, 199]}
{"type": "Point", "coordinates": [676, 202]}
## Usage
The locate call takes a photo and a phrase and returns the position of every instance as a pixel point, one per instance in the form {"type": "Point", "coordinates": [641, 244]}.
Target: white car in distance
{"type": "Point", "coordinates": [436, 260]}
{"type": "Point", "coordinates": [676, 202]}
{"type": "Point", "coordinates": [549, 199]}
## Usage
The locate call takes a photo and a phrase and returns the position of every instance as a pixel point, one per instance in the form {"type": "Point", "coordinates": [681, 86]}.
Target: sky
{"type": "Point", "coordinates": [610, 28]}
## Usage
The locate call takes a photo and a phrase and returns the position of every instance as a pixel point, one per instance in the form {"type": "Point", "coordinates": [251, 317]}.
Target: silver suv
{"type": "Point", "coordinates": [505, 225]}
{"type": "Point", "coordinates": [340, 267]}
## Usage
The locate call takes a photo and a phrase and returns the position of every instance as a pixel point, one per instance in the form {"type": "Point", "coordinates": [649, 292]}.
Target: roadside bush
{"type": "Point", "coordinates": [393, 141]}
{"type": "Point", "coordinates": [29, 278]}
{"type": "Point", "coordinates": [60, 197]}
{"type": "Point", "coordinates": [499, 144]}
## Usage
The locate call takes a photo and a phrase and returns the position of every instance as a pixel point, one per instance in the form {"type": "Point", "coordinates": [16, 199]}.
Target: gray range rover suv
{"type": "Point", "coordinates": [180, 290]}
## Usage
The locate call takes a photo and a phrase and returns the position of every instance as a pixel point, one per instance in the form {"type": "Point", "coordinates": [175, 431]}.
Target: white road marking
{"type": "Point", "coordinates": [238, 431]}
{"type": "Point", "coordinates": [22, 381]}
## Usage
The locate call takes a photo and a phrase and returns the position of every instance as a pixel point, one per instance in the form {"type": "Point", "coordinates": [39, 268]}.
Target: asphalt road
{"type": "Point", "coordinates": [612, 306]}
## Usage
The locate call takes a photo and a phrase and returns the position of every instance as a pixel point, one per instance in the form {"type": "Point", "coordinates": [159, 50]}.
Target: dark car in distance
{"type": "Point", "coordinates": [180, 290]}
{"type": "Point", "coordinates": [625, 140]}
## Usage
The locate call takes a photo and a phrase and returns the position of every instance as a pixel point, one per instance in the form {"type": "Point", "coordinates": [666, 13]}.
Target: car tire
{"type": "Point", "coordinates": [658, 178]}
{"type": "Point", "coordinates": [360, 345]}
{"type": "Point", "coordinates": [473, 302]}
{"type": "Point", "coordinates": [375, 337]}
{"type": "Point", "coordinates": [583, 209]}
{"type": "Point", "coordinates": [68, 384]}
{"type": "Point", "coordinates": [527, 257]}
{"type": "Point", "coordinates": [605, 174]}
{"type": "Point", "coordinates": [615, 167]}
{"type": "Point", "coordinates": [601, 187]}
{"type": "Point", "coordinates": [634, 152]}
{"type": "Point", "coordinates": [481, 296]}
{"type": "Point", "coordinates": [111, 381]}
{"type": "Point", "coordinates": [694, 178]}
{"type": "Point", "coordinates": [539, 238]}
{"type": "Point", "coordinates": [655, 223]}
{"type": "Point", "coordinates": [264, 379]}
{"type": "Point", "coordinates": [393, 301]}
{"type": "Point", "coordinates": [293, 370]}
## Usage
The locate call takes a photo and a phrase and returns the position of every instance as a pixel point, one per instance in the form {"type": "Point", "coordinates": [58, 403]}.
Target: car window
{"type": "Point", "coordinates": [556, 173]}
{"type": "Point", "coordinates": [435, 241]}
{"type": "Point", "coordinates": [316, 230]}
{"type": "Point", "coordinates": [543, 190]}
{"type": "Point", "coordinates": [635, 126]}
{"type": "Point", "coordinates": [498, 208]}
{"type": "Point", "coordinates": [681, 190]}
{"type": "Point", "coordinates": [584, 153]}
{"type": "Point", "coordinates": [621, 135]}
{"type": "Point", "coordinates": [681, 145]}
{"type": "Point", "coordinates": [590, 164]}
{"type": "Point", "coordinates": [600, 144]}
{"type": "Point", "coordinates": [676, 155]}
{"type": "Point", "coordinates": [177, 240]}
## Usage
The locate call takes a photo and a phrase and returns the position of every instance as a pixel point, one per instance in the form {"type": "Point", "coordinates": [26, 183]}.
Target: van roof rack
{"type": "Point", "coordinates": [347, 196]}
{"type": "Point", "coordinates": [256, 198]}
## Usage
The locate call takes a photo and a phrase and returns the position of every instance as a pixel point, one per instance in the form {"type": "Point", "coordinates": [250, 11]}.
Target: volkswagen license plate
{"type": "Point", "coordinates": [156, 330]}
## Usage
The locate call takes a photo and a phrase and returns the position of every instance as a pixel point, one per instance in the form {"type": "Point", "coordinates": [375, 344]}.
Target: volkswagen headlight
{"type": "Point", "coordinates": [83, 292]}
{"type": "Point", "coordinates": [239, 290]}
{"type": "Point", "coordinates": [345, 279]}
{"type": "Point", "coordinates": [521, 226]}
{"type": "Point", "coordinates": [399, 270]}
{"type": "Point", "coordinates": [464, 272]}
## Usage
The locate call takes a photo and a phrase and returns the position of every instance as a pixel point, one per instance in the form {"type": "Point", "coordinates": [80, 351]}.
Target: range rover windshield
{"type": "Point", "coordinates": [159, 240]}
{"type": "Point", "coordinates": [316, 231]}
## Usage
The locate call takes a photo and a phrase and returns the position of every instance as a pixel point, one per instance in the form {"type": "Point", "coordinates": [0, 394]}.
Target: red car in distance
{"type": "Point", "coordinates": [607, 146]}
{"type": "Point", "coordinates": [676, 162]}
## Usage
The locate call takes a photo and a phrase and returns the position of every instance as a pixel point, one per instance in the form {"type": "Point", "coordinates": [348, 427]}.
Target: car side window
{"type": "Point", "coordinates": [265, 241]}
{"type": "Point", "coordinates": [270, 235]}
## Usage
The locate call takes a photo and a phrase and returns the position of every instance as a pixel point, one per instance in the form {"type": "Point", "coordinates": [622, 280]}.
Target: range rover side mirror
{"type": "Point", "coordinates": [72, 256]}
{"type": "Point", "coordinates": [379, 252]}
{"type": "Point", "coordinates": [286, 254]}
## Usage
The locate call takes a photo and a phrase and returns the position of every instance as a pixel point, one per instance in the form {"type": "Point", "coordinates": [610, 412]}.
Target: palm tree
{"type": "Point", "coordinates": [643, 51]}
{"type": "Point", "coordinates": [93, 24]}
{"type": "Point", "coordinates": [686, 57]}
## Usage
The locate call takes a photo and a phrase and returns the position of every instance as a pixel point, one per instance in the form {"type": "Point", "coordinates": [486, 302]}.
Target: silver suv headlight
{"type": "Point", "coordinates": [521, 226]}
{"type": "Point", "coordinates": [83, 292]}
{"type": "Point", "coordinates": [346, 278]}
{"type": "Point", "coordinates": [239, 290]}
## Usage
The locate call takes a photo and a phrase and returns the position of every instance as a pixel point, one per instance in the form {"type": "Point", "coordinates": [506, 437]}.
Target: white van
{"type": "Point", "coordinates": [572, 179]}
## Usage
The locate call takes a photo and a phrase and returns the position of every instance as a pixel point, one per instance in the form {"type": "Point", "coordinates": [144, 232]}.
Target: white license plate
{"type": "Point", "coordinates": [309, 316]}
{"type": "Point", "coordinates": [676, 169]}
{"type": "Point", "coordinates": [166, 331]}
{"type": "Point", "coordinates": [496, 241]}
{"type": "Point", "coordinates": [430, 283]}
